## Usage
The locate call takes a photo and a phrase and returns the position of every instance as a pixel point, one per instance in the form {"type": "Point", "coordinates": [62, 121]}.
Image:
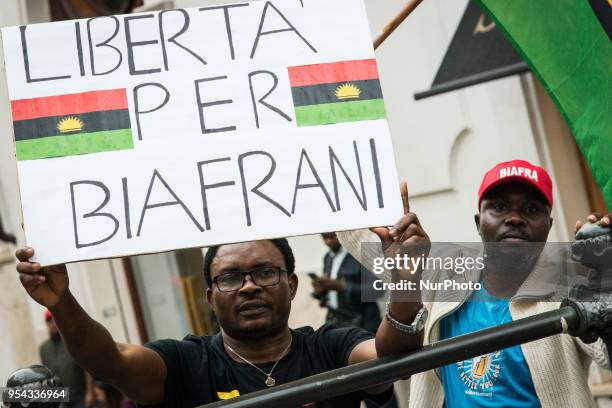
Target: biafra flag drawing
{"type": "Point", "coordinates": [66, 125]}
{"type": "Point", "coordinates": [345, 91]}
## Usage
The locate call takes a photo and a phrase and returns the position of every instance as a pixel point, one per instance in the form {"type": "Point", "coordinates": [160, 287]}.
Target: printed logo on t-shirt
{"type": "Point", "coordinates": [228, 395]}
{"type": "Point", "coordinates": [480, 374]}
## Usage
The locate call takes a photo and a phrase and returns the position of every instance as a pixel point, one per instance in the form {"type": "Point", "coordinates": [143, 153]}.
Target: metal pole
{"type": "Point", "coordinates": [386, 370]}
{"type": "Point", "coordinates": [397, 20]}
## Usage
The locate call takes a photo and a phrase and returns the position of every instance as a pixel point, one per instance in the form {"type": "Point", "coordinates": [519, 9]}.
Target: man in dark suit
{"type": "Point", "coordinates": [342, 285]}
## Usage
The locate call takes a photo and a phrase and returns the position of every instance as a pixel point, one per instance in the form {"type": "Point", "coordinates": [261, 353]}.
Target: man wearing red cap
{"type": "Point", "coordinates": [513, 220]}
{"type": "Point", "coordinates": [519, 171]}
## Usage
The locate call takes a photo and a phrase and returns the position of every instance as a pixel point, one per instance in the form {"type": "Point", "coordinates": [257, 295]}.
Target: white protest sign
{"type": "Point", "coordinates": [184, 128]}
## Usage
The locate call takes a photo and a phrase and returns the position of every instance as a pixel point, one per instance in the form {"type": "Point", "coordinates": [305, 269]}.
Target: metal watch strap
{"type": "Point", "coordinates": [417, 325]}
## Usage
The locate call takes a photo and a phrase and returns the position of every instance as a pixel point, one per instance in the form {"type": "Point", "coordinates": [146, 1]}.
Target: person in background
{"type": "Point", "coordinates": [342, 286]}
{"type": "Point", "coordinates": [53, 354]}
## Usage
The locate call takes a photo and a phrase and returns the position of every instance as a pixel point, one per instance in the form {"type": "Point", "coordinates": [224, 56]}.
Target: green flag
{"type": "Point", "coordinates": [567, 44]}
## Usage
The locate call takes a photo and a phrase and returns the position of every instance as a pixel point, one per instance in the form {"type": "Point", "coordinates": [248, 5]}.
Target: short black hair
{"type": "Point", "coordinates": [281, 243]}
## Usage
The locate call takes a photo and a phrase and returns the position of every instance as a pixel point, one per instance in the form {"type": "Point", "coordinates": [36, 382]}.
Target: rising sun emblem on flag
{"type": "Point", "coordinates": [70, 124]}
{"type": "Point", "coordinates": [347, 91]}
{"type": "Point", "coordinates": [336, 92]}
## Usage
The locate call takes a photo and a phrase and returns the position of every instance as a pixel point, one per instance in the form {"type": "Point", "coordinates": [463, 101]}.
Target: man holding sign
{"type": "Point", "coordinates": [253, 284]}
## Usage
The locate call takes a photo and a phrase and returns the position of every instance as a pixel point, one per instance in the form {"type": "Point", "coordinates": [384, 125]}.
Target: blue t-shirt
{"type": "Point", "coordinates": [499, 379]}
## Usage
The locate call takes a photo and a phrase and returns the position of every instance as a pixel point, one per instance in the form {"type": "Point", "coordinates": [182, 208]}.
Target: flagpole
{"type": "Point", "coordinates": [396, 21]}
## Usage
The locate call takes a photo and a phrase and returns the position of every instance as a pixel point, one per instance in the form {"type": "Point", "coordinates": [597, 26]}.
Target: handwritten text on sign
{"type": "Point", "coordinates": [185, 128]}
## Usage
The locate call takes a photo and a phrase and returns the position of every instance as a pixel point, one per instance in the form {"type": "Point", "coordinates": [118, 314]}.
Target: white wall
{"type": "Point", "coordinates": [165, 316]}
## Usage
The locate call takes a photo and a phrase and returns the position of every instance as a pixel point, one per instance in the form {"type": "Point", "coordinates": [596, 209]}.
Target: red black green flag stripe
{"type": "Point", "coordinates": [345, 91]}
{"type": "Point", "coordinates": [65, 125]}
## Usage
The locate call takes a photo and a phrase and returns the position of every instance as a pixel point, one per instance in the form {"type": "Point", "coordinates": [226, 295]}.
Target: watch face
{"type": "Point", "coordinates": [422, 319]}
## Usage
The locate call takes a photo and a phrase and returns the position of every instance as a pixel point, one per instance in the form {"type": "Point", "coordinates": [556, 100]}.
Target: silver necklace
{"type": "Point", "coordinates": [270, 382]}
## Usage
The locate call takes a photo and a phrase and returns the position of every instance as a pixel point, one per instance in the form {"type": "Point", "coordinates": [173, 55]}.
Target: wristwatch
{"type": "Point", "coordinates": [417, 325]}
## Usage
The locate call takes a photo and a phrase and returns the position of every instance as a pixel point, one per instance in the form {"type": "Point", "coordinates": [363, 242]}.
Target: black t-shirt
{"type": "Point", "coordinates": [200, 371]}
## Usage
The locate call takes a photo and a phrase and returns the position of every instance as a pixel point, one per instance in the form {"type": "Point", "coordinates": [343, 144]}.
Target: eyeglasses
{"type": "Point", "coordinates": [264, 276]}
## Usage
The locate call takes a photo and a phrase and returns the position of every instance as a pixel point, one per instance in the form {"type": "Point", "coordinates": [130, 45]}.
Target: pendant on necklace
{"type": "Point", "coordinates": [270, 382]}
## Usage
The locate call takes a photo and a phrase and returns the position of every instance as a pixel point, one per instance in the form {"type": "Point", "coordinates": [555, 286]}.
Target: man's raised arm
{"type": "Point", "coordinates": [401, 328]}
{"type": "Point", "coordinates": [138, 372]}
